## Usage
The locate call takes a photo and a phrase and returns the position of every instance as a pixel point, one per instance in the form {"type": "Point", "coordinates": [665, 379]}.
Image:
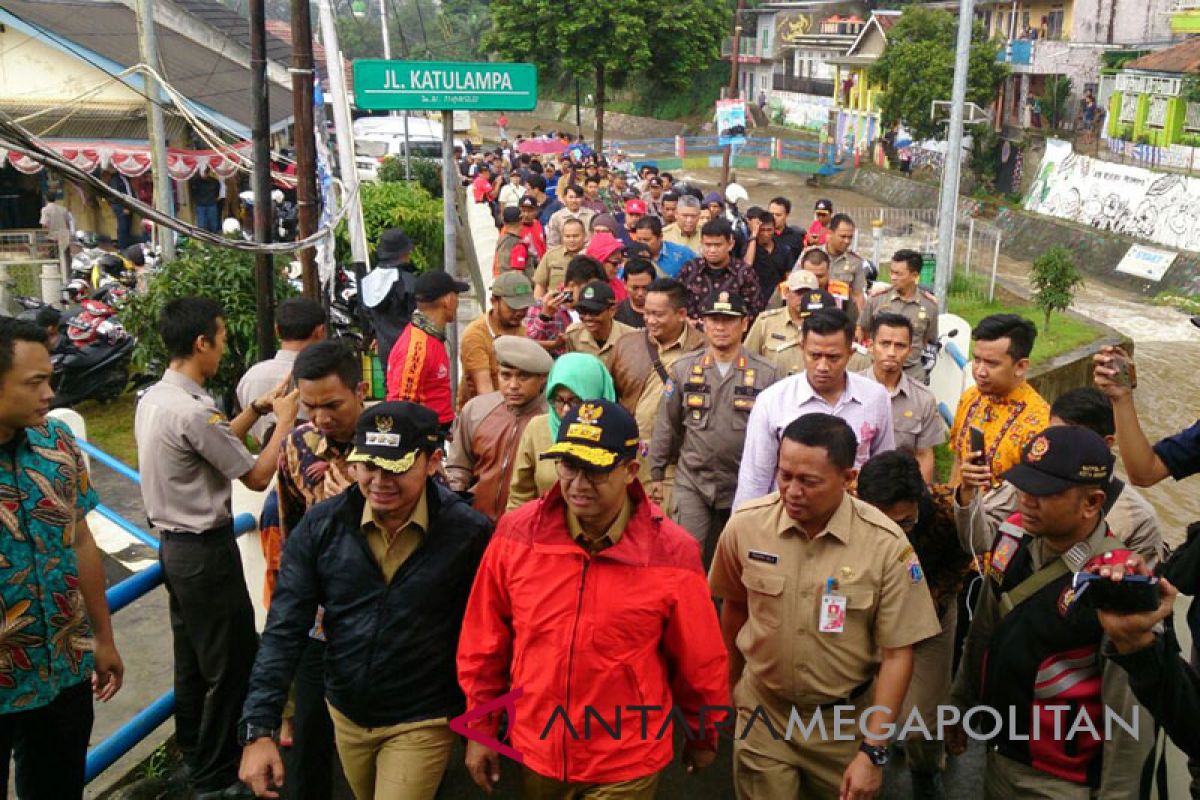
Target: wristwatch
{"type": "Point", "coordinates": [250, 732]}
{"type": "Point", "coordinates": [254, 407]}
{"type": "Point", "coordinates": [879, 755]}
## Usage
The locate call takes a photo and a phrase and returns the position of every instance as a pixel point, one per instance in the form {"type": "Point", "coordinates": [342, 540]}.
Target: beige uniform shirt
{"type": "Point", "coordinates": [552, 268]}
{"type": "Point", "coordinates": [848, 268]}
{"type": "Point", "coordinates": [1131, 518]}
{"type": "Point", "coordinates": [260, 379]}
{"type": "Point", "coordinates": [392, 549]}
{"type": "Point", "coordinates": [532, 477]}
{"type": "Point", "coordinates": [921, 311]}
{"type": "Point", "coordinates": [764, 561]}
{"type": "Point", "coordinates": [578, 339]}
{"type": "Point", "coordinates": [672, 233]}
{"type": "Point", "coordinates": [554, 230]}
{"type": "Point", "coordinates": [915, 418]}
{"type": "Point", "coordinates": [187, 456]}
{"type": "Point", "coordinates": [639, 386]}
{"type": "Point", "coordinates": [775, 337]}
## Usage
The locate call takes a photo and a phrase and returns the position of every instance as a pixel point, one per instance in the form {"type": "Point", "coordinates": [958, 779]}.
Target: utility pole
{"type": "Point", "coordinates": [734, 58]}
{"type": "Point", "coordinates": [578, 114]}
{"type": "Point", "coordinates": [387, 54]}
{"type": "Point", "coordinates": [345, 133]}
{"type": "Point", "coordinates": [264, 266]}
{"type": "Point", "coordinates": [948, 207]}
{"type": "Point", "coordinates": [163, 198]}
{"type": "Point", "coordinates": [303, 75]}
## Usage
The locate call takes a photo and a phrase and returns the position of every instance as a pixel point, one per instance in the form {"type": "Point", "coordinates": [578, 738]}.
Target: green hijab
{"type": "Point", "coordinates": [583, 374]}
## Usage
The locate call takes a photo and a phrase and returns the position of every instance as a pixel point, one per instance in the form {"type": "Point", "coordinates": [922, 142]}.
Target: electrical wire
{"type": "Point", "coordinates": [15, 137]}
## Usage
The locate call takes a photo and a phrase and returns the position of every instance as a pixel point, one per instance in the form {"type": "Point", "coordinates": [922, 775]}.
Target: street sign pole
{"type": "Point", "coordinates": [450, 229]}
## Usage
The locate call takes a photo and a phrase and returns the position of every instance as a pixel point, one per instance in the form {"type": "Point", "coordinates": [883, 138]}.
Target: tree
{"type": "Point", "coordinates": [917, 67]}
{"type": "Point", "coordinates": [1054, 278]}
{"type": "Point", "coordinates": [1054, 99]}
{"type": "Point", "coordinates": [611, 41]}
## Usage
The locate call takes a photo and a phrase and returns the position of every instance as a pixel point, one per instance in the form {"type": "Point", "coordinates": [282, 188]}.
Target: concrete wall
{"type": "Point", "coordinates": [890, 188]}
{"type": "Point", "coordinates": [34, 72]}
{"type": "Point", "coordinates": [630, 127]}
{"type": "Point", "coordinates": [1133, 21]}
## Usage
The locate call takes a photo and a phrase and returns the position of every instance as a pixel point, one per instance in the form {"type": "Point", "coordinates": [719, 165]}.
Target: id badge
{"type": "Point", "coordinates": [833, 613]}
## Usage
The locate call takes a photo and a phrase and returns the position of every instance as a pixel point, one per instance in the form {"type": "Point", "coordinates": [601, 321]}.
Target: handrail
{"type": "Point", "coordinates": [120, 595]}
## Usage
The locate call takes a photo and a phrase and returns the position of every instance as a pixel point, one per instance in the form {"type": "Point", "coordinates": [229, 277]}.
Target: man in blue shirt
{"type": "Point", "coordinates": [669, 257]}
{"type": "Point", "coordinates": [56, 640]}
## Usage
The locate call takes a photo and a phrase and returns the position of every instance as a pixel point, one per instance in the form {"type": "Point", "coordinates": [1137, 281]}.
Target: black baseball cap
{"type": "Point", "coordinates": [436, 284]}
{"type": "Point", "coordinates": [823, 205]}
{"type": "Point", "coordinates": [393, 245]}
{"type": "Point", "coordinates": [723, 304]}
{"type": "Point", "coordinates": [596, 296]}
{"type": "Point", "coordinates": [391, 435]}
{"type": "Point", "coordinates": [599, 433]}
{"type": "Point", "coordinates": [510, 215]}
{"type": "Point", "coordinates": [1061, 457]}
{"type": "Point", "coordinates": [528, 201]}
{"type": "Point", "coordinates": [816, 300]}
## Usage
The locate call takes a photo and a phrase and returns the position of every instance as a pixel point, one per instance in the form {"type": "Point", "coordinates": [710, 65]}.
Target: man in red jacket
{"type": "Point", "coordinates": [591, 606]}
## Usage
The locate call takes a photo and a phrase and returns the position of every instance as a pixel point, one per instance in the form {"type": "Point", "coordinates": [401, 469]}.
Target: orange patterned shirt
{"type": "Point", "coordinates": [1007, 425]}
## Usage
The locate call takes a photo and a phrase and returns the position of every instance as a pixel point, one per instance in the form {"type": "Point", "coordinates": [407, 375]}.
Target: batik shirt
{"type": "Point", "coordinates": [45, 636]}
{"type": "Point", "coordinates": [1008, 425]}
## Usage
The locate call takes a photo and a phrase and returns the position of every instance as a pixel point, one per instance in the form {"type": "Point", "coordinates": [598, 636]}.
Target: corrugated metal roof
{"type": "Point", "coordinates": [226, 20]}
{"type": "Point", "coordinates": [1183, 57]}
{"type": "Point", "coordinates": [109, 30]}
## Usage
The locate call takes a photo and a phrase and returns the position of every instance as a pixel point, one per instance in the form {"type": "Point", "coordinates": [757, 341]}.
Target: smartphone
{"type": "Point", "coordinates": [977, 445]}
{"type": "Point", "coordinates": [564, 296]}
{"type": "Point", "coordinates": [1124, 369]}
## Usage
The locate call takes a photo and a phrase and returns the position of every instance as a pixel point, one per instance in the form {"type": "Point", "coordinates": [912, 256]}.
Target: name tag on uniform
{"type": "Point", "coordinates": [766, 558]}
{"type": "Point", "coordinates": [833, 613]}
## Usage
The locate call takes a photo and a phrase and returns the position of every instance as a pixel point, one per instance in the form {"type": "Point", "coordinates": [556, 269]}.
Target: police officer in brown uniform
{"type": "Point", "coordinates": [701, 424]}
{"type": "Point", "coordinates": [189, 452]}
{"type": "Point", "coordinates": [845, 265]}
{"type": "Point", "coordinates": [775, 335]}
{"type": "Point", "coordinates": [906, 299]}
{"type": "Point", "coordinates": [823, 601]}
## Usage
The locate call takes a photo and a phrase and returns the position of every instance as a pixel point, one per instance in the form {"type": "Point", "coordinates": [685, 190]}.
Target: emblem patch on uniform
{"type": "Point", "coordinates": [377, 439]}
{"type": "Point", "coordinates": [906, 553]}
{"type": "Point", "coordinates": [669, 389]}
{"type": "Point", "coordinates": [913, 567]}
{"type": "Point", "coordinates": [216, 418]}
{"type": "Point", "coordinates": [766, 558]}
{"type": "Point", "coordinates": [1066, 599]}
{"type": "Point", "coordinates": [1038, 449]}
{"type": "Point", "coordinates": [1003, 553]}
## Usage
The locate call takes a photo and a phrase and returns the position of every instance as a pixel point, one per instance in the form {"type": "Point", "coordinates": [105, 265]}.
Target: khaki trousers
{"type": "Point", "coordinates": [929, 688]}
{"type": "Point", "coordinates": [769, 767]}
{"type": "Point", "coordinates": [539, 787]}
{"type": "Point", "coordinates": [1005, 779]}
{"type": "Point", "coordinates": [394, 762]}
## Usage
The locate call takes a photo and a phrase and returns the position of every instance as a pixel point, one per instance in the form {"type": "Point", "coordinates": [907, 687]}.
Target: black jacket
{"type": "Point", "coordinates": [1168, 688]}
{"type": "Point", "coordinates": [390, 654]}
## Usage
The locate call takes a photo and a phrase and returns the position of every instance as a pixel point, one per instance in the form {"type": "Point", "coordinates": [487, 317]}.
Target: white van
{"type": "Point", "coordinates": [378, 138]}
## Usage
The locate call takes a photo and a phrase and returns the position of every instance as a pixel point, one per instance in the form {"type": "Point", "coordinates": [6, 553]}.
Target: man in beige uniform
{"type": "Point", "coordinates": [189, 452]}
{"type": "Point", "coordinates": [685, 230]}
{"type": "Point", "coordinates": [845, 265]}
{"type": "Point", "coordinates": [775, 335]}
{"type": "Point", "coordinates": [597, 332]}
{"type": "Point", "coordinates": [572, 197]}
{"type": "Point", "coordinates": [483, 449]}
{"type": "Point", "coordinates": [552, 267]}
{"type": "Point", "coordinates": [823, 599]}
{"type": "Point", "coordinates": [642, 361]}
{"type": "Point", "coordinates": [979, 514]}
{"type": "Point", "coordinates": [906, 299]}
{"type": "Point", "coordinates": [917, 425]}
{"type": "Point", "coordinates": [701, 424]}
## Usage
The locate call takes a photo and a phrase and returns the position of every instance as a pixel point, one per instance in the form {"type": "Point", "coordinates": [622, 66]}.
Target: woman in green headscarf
{"type": "Point", "coordinates": [574, 378]}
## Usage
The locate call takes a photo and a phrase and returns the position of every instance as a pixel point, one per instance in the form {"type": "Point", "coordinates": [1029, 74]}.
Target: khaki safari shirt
{"type": "Point", "coordinates": [766, 562]}
{"type": "Point", "coordinates": [391, 550]}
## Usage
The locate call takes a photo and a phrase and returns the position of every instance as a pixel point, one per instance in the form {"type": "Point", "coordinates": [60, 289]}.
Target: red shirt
{"type": "Point", "coordinates": [534, 236]}
{"type": "Point", "coordinates": [817, 233]}
{"type": "Point", "coordinates": [481, 187]}
{"type": "Point", "coordinates": [418, 370]}
{"type": "Point", "coordinates": [619, 290]}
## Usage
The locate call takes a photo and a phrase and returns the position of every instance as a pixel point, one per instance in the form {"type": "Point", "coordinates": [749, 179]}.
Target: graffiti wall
{"type": "Point", "coordinates": [1114, 197]}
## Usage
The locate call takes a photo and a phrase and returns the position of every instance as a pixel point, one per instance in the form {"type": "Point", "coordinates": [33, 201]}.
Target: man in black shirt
{"type": "Point", "coordinates": [788, 237]}
{"type": "Point", "coordinates": [639, 274]}
{"type": "Point", "coordinates": [771, 261]}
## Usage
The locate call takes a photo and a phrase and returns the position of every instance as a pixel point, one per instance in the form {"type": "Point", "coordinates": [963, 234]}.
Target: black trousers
{"type": "Point", "coordinates": [49, 745]}
{"type": "Point", "coordinates": [309, 764]}
{"type": "Point", "coordinates": [212, 624]}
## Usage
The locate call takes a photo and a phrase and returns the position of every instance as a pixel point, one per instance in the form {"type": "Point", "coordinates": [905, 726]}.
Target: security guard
{"type": "Point", "coordinates": [597, 332]}
{"type": "Point", "coordinates": [775, 335]}
{"type": "Point", "coordinates": [189, 452]}
{"type": "Point", "coordinates": [823, 599]}
{"type": "Point", "coordinates": [907, 300]}
{"type": "Point", "coordinates": [701, 424]}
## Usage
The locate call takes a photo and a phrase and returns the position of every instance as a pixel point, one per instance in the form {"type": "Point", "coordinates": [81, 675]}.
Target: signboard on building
{"type": "Point", "coordinates": [1146, 262]}
{"type": "Point", "coordinates": [443, 86]}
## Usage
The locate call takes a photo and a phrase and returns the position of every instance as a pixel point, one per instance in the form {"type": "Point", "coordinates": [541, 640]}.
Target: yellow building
{"type": "Point", "coordinates": [856, 96]}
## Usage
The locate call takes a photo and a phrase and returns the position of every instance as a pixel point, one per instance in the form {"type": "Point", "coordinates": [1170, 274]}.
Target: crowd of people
{"type": "Point", "coordinates": [688, 486]}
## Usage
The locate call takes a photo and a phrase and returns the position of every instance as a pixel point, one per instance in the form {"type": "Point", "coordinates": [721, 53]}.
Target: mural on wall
{"type": "Point", "coordinates": [1114, 197]}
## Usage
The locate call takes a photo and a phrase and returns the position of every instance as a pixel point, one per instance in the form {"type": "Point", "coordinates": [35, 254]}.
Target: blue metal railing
{"type": "Point", "coordinates": [120, 595]}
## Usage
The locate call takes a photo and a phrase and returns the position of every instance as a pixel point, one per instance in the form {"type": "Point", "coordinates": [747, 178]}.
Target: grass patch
{"type": "Point", "coordinates": [943, 462]}
{"type": "Point", "coordinates": [1187, 303]}
{"type": "Point", "coordinates": [110, 426]}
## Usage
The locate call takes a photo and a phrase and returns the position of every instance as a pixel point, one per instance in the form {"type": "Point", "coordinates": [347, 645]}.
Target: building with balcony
{"type": "Point", "coordinates": [857, 98]}
{"type": "Point", "coordinates": [1148, 103]}
{"type": "Point", "coordinates": [1044, 38]}
{"type": "Point", "coordinates": [785, 57]}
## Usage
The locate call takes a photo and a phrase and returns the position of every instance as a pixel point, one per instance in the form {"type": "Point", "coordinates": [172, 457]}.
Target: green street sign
{"type": "Point", "coordinates": [440, 86]}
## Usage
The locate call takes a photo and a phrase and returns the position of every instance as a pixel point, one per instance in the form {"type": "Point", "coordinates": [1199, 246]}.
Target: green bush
{"type": "Point", "coordinates": [427, 172]}
{"type": "Point", "coordinates": [226, 276]}
{"type": "Point", "coordinates": [1054, 278]}
{"type": "Point", "coordinates": [398, 205]}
